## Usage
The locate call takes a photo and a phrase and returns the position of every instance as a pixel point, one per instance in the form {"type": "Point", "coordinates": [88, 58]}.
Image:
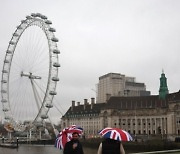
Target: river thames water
{"type": "Point", "coordinates": [45, 149]}
{"type": "Point", "coordinates": [39, 149]}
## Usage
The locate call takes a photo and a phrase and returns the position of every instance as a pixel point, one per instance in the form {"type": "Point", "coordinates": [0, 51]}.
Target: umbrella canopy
{"type": "Point", "coordinates": [66, 135]}
{"type": "Point", "coordinates": [115, 134]}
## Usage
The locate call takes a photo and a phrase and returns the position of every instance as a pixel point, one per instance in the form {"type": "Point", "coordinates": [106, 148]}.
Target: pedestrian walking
{"type": "Point", "coordinates": [74, 146]}
{"type": "Point", "coordinates": [110, 146]}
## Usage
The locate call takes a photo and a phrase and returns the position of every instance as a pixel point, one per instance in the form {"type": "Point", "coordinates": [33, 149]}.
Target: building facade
{"type": "Point", "coordinates": [115, 84]}
{"type": "Point", "coordinates": [139, 115]}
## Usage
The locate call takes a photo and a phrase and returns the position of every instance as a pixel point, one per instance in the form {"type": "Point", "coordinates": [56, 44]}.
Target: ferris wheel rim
{"type": "Point", "coordinates": [42, 22]}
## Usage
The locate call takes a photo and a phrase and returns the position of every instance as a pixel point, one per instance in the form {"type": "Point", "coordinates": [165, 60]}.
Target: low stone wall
{"type": "Point", "coordinates": [153, 145]}
{"type": "Point", "coordinates": [92, 143]}
{"type": "Point", "coordinates": [42, 142]}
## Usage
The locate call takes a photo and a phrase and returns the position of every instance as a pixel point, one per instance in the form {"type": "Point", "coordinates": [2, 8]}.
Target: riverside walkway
{"type": "Point", "coordinates": [160, 152]}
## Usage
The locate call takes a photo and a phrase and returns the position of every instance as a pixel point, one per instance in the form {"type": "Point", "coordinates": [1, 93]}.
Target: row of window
{"type": "Point", "coordinates": [82, 115]}
{"type": "Point", "coordinates": [133, 124]}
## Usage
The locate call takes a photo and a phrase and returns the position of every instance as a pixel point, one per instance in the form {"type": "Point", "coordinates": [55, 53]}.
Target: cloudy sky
{"type": "Point", "coordinates": [137, 38]}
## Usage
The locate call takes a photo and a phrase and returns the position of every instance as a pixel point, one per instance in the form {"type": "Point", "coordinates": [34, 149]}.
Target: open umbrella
{"type": "Point", "coordinates": [115, 134]}
{"type": "Point", "coordinates": [66, 135]}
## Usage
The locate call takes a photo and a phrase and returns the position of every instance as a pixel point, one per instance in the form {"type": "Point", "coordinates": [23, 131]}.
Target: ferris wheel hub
{"type": "Point", "coordinates": [30, 75]}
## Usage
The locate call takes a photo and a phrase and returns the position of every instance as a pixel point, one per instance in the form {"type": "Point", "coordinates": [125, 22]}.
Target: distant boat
{"type": "Point", "coordinates": [8, 145]}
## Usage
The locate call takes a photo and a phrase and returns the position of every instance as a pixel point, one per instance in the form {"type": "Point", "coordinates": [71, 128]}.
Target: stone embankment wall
{"type": "Point", "coordinates": [147, 146]}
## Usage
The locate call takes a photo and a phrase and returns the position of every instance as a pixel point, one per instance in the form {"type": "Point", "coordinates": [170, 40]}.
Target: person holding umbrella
{"type": "Point", "coordinates": [68, 140]}
{"type": "Point", "coordinates": [110, 146]}
{"type": "Point", "coordinates": [112, 143]}
{"type": "Point", "coordinates": [73, 146]}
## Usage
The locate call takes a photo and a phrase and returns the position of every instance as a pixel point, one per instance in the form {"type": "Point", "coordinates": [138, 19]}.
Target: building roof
{"type": "Point", "coordinates": [125, 103]}
{"type": "Point", "coordinates": [85, 109]}
{"type": "Point", "coordinates": [141, 102]}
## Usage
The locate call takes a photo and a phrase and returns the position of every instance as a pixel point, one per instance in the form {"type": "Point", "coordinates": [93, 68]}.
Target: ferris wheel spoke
{"type": "Point", "coordinates": [19, 101]}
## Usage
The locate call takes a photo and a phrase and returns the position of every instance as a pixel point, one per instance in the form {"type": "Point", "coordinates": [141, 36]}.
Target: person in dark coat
{"type": "Point", "coordinates": [73, 146]}
{"type": "Point", "coordinates": [110, 146]}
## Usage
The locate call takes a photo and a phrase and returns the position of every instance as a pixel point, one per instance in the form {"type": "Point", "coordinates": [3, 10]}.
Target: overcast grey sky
{"type": "Point", "coordinates": [137, 38]}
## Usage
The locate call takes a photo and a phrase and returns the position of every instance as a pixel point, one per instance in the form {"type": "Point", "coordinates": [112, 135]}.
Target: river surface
{"type": "Point", "coordinates": [44, 149]}
{"type": "Point", "coordinates": [39, 149]}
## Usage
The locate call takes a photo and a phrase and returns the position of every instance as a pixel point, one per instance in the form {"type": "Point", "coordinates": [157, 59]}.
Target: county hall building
{"type": "Point", "coordinates": [127, 106]}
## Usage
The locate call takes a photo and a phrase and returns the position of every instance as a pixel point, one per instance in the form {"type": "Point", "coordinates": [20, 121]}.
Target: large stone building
{"type": "Point", "coordinates": [139, 115]}
{"type": "Point", "coordinates": [115, 84]}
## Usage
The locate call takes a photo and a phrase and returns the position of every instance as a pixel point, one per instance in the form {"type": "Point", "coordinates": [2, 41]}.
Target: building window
{"type": "Point", "coordinates": [149, 132]}
{"type": "Point", "coordinates": [178, 131]}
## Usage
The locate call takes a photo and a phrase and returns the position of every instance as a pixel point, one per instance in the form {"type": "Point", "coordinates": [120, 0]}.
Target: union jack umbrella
{"type": "Point", "coordinates": [115, 134]}
{"type": "Point", "coordinates": [66, 135]}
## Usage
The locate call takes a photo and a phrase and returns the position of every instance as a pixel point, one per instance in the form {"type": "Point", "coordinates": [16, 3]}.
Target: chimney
{"type": "Point", "coordinates": [92, 102]}
{"type": "Point", "coordinates": [73, 105]}
{"type": "Point", "coordinates": [108, 97]}
{"type": "Point", "coordinates": [85, 103]}
{"type": "Point", "coordinates": [78, 103]}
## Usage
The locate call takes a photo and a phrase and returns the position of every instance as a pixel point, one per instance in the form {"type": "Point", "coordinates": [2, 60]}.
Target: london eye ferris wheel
{"type": "Point", "coordinates": [30, 72]}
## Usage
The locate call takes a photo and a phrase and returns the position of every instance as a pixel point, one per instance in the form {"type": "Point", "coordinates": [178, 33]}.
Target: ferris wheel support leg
{"type": "Point", "coordinates": [54, 129]}
{"type": "Point", "coordinates": [40, 134]}
{"type": "Point", "coordinates": [27, 136]}
{"type": "Point", "coordinates": [10, 136]}
{"type": "Point", "coordinates": [35, 94]}
{"type": "Point", "coordinates": [30, 135]}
